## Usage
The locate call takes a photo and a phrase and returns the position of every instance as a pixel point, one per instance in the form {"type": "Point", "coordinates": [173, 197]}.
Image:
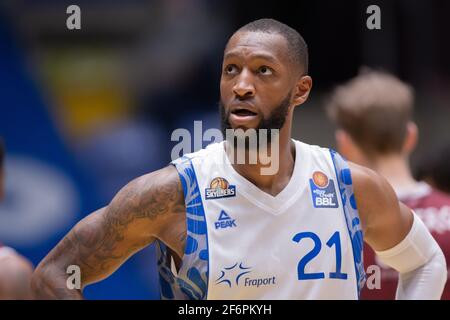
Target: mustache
{"type": "Point", "coordinates": [275, 120]}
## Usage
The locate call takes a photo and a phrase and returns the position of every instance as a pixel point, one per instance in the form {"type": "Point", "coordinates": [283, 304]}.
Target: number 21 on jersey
{"type": "Point", "coordinates": [335, 241]}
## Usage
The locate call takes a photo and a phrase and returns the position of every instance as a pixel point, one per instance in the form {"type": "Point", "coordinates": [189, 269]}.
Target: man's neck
{"type": "Point", "coordinates": [396, 170]}
{"type": "Point", "coordinates": [272, 184]}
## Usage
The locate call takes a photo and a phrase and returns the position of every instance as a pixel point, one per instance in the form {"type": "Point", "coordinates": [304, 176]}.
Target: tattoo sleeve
{"type": "Point", "coordinates": [105, 239]}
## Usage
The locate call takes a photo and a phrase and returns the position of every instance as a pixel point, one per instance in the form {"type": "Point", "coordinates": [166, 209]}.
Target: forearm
{"type": "Point", "coordinates": [420, 262]}
{"type": "Point", "coordinates": [426, 282]}
{"type": "Point", "coordinates": [50, 282]}
{"type": "Point", "coordinates": [83, 248]}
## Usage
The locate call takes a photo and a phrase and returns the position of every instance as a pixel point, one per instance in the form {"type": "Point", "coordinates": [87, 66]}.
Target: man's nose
{"type": "Point", "coordinates": [244, 87]}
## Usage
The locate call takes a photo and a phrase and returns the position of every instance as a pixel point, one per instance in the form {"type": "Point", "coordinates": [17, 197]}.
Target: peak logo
{"type": "Point", "coordinates": [225, 221]}
{"type": "Point", "coordinates": [220, 188]}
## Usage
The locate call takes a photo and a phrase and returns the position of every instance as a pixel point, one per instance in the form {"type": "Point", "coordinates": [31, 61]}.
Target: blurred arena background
{"type": "Point", "coordinates": [82, 112]}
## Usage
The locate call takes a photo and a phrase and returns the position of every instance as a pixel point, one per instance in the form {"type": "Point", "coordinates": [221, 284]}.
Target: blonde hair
{"type": "Point", "coordinates": [374, 108]}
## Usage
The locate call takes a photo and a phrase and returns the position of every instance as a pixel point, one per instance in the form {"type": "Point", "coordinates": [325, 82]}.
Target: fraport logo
{"type": "Point", "coordinates": [237, 275]}
{"type": "Point", "coordinates": [323, 191]}
{"type": "Point", "coordinates": [224, 221]}
{"type": "Point", "coordinates": [220, 188]}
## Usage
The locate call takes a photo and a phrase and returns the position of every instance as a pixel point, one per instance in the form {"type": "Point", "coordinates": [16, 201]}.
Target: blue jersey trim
{"type": "Point", "coordinates": [345, 184]}
{"type": "Point", "coordinates": [193, 276]}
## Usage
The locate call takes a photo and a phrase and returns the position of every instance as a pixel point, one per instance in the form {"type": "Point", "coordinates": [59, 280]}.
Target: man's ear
{"type": "Point", "coordinates": [411, 138]}
{"type": "Point", "coordinates": [302, 89]}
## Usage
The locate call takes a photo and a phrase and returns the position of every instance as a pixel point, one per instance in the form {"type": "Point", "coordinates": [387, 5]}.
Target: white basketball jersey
{"type": "Point", "coordinates": [243, 243]}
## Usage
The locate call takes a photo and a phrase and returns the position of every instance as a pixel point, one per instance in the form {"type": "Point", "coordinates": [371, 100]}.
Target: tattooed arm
{"type": "Point", "coordinates": [148, 208]}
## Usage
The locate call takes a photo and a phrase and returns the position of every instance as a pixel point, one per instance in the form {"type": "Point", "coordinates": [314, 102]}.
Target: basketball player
{"type": "Point", "coordinates": [226, 231]}
{"type": "Point", "coordinates": [373, 114]}
{"type": "Point", "coordinates": [15, 270]}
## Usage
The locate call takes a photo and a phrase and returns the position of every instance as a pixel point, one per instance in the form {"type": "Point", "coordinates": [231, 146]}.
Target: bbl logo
{"type": "Point", "coordinates": [220, 188]}
{"type": "Point", "coordinates": [323, 191]}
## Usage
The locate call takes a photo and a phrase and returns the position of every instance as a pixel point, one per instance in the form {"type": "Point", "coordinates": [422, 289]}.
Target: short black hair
{"type": "Point", "coordinates": [2, 152]}
{"type": "Point", "coordinates": [297, 47]}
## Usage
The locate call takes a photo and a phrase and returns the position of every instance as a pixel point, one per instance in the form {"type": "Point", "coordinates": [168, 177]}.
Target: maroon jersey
{"type": "Point", "coordinates": [433, 207]}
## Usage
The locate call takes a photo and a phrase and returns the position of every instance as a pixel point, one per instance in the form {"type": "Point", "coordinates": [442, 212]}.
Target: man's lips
{"type": "Point", "coordinates": [241, 112]}
{"type": "Point", "coordinates": [243, 109]}
{"type": "Point", "coordinates": [242, 116]}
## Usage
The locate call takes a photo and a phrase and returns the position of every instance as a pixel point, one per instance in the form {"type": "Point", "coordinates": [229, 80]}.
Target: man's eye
{"type": "Point", "coordinates": [230, 69]}
{"type": "Point", "coordinates": [265, 70]}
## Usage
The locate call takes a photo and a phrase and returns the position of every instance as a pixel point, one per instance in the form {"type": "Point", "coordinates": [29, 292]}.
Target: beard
{"type": "Point", "coordinates": [272, 123]}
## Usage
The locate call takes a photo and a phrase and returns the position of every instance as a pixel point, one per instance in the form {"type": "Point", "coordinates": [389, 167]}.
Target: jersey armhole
{"type": "Point", "coordinates": [350, 210]}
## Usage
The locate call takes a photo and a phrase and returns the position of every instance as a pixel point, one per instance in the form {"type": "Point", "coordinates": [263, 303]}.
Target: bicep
{"type": "Point", "coordinates": [386, 220]}
{"type": "Point", "coordinates": [105, 239]}
{"type": "Point", "coordinates": [391, 228]}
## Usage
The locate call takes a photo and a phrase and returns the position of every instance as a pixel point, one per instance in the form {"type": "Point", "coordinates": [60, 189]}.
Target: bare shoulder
{"type": "Point", "coordinates": [384, 219]}
{"type": "Point", "coordinates": [373, 194]}
{"type": "Point", "coordinates": [153, 194]}
{"type": "Point", "coordinates": [149, 196]}
{"type": "Point", "coordinates": [140, 211]}
{"type": "Point", "coordinates": [370, 185]}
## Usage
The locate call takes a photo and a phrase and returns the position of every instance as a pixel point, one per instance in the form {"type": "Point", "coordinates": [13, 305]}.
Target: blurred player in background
{"type": "Point", "coordinates": [15, 270]}
{"type": "Point", "coordinates": [373, 115]}
{"type": "Point", "coordinates": [226, 230]}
